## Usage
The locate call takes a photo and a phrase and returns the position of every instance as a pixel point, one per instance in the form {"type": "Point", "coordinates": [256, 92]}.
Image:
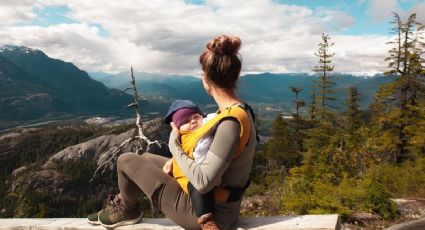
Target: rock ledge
{"type": "Point", "coordinates": [311, 222]}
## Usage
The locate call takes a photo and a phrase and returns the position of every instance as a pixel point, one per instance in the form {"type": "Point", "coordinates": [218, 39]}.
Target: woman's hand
{"type": "Point", "coordinates": [174, 141]}
{"type": "Point", "coordinates": [174, 127]}
{"type": "Point", "coordinates": [168, 167]}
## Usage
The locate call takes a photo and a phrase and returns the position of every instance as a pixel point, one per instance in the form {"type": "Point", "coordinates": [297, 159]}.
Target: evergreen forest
{"type": "Point", "coordinates": [329, 161]}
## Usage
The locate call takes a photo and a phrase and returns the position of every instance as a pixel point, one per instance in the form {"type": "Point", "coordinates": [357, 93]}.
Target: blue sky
{"type": "Point", "coordinates": [51, 15]}
{"type": "Point", "coordinates": [54, 15]}
{"type": "Point", "coordinates": [166, 36]}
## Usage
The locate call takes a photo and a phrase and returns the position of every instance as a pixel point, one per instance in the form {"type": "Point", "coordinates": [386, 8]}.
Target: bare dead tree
{"type": "Point", "coordinates": [140, 141]}
{"type": "Point", "coordinates": [136, 106]}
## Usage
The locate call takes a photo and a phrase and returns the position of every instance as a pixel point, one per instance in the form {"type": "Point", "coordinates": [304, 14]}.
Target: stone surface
{"type": "Point", "coordinates": [90, 150]}
{"type": "Point", "coordinates": [41, 181]}
{"type": "Point", "coordinates": [96, 148]}
{"type": "Point", "coordinates": [310, 222]}
{"type": "Point", "coordinates": [418, 224]}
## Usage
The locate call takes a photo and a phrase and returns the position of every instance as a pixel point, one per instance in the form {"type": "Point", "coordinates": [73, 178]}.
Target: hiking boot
{"type": "Point", "coordinates": [93, 218]}
{"type": "Point", "coordinates": [115, 214]}
{"type": "Point", "coordinates": [207, 223]}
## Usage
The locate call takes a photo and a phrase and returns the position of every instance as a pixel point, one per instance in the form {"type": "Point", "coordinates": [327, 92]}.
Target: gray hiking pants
{"type": "Point", "coordinates": [143, 173]}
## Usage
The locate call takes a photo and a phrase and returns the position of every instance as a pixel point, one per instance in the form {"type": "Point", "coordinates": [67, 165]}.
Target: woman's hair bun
{"type": "Point", "coordinates": [225, 45]}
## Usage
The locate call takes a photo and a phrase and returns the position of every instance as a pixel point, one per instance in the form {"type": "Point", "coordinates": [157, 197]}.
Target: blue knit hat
{"type": "Point", "coordinates": [179, 104]}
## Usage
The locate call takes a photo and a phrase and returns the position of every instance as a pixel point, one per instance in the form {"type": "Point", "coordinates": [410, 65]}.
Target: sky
{"type": "Point", "coordinates": [167, 36]}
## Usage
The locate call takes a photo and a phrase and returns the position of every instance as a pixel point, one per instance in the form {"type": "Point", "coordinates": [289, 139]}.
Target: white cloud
{"type": "Point", "coordinates": [419, 9]}
{"type": "Point", "coordinates": [18, 11]}
{"type": "Point", "coordinates": [77, 43]}
{"type": "Point", "coordinates": [381, 9]}
{"type": "Point", "coordinates": [168, 35]}
{"type": "Point", "coordinates": [15, 11]}
{"type": "Point", "coordinates": [360, 54]}
{"type": "Point", "coordinates": [336, 20]}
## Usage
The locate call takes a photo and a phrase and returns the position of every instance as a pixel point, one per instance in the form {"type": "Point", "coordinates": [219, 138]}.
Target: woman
{"type": "Point", "coordinates": [227, 163]}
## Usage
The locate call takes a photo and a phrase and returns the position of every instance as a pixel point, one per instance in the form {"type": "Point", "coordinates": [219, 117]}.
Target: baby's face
{"type": "Point", "coordinates": [193, 122]}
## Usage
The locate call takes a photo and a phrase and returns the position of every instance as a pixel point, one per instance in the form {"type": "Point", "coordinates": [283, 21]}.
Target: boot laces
{"type": "Point", "coordinates": [116, 202]}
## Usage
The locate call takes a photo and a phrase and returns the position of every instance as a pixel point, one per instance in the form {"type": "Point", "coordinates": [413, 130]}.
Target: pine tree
{"type": "Point", "coordinates": [395, 52]}
{"type": "Point", "coordinates": [320, 144]}
{"type": "Point", "coordinates": [299, 125]}
{"type": "Point", "coordinates": [353, 114]}
{"type": "Point", "coordinates": [298, 103]}
{"type": "Point", "coordinates": [281, 147]}
{"type": "Point", "coordinates": [405, 61]}
{"type": "Point", "coordinates": [313, 106]}
{"type": "Point", "coordinates": [415, 131]}
{"type": "Point", "coordinates": [347, 141]}
{"type": "Point", "coordinates": [324, 84]}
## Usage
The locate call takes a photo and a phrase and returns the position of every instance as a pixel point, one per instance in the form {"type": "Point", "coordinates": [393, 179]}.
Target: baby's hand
{"type": "Point", "coordinates": [168, 167]}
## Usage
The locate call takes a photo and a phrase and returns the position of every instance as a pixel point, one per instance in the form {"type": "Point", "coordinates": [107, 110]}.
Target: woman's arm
{"type": "Point", "coordinates": [208, 174]}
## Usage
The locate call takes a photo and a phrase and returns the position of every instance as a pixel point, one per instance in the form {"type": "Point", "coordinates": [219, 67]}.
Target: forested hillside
{"type": "Point", "coordinates": [35, 87]}
{"type": "Point", "coordinates": [355, 160]}
{"type": "Point", "coordinates": [45, 174]}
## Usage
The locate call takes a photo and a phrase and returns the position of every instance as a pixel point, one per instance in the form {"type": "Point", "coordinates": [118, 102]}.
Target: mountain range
{"type": "Point", "coordinates": [35, 86]}
{"type": "Point", "coordinates": [265, 88]}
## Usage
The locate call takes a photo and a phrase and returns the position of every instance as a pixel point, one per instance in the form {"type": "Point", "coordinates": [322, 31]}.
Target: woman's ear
{"type": "Point", "coordinates": [206, 83]}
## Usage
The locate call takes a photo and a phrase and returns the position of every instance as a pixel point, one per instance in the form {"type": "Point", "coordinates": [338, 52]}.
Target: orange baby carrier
{"type": "Point", "coordinates": [189, 140]}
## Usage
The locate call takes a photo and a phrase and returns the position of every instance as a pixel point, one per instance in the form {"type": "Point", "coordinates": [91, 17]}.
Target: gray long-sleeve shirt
{"type": "Point", "coordinates": [219, 166]}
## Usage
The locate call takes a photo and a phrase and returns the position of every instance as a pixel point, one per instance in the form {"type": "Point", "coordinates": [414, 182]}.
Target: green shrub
{"type": "Point", "coordinates": [401, 180]}
{"type": "Point", "coordinates": [301, 195]}
{"type": "Point", "coordinates": [378, 200]}
{"type": "Point", "coordinates": [256, 189]}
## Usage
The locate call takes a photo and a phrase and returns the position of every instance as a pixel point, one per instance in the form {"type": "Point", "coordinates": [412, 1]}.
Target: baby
{"type": "Point", "coordinates": [186, 116]}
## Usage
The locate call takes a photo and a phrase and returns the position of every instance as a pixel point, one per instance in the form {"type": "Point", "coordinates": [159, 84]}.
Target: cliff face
{"type": "Point", "coordinates": [41, 181]}
{"type": "Point", "coordinates": [95, 149]}
{"type": "Point", "coordinates": [63, 179]}
{"type": "Point", "coordinates": [91, 150]}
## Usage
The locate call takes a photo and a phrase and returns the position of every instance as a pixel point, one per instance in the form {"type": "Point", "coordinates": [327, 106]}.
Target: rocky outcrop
{"type": "Point", "coordinates": [18, 171]}
{"type": "Point", "coordinates": [47, 178]}
{"type": "Point", "coordinates": [41, 181]}
{"type": "Point", "coordinates": [90, 150]}
{"type": "Point", "coordinates": [93, 150]}
{"type": "Point", "coordinates": [54, 180]}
